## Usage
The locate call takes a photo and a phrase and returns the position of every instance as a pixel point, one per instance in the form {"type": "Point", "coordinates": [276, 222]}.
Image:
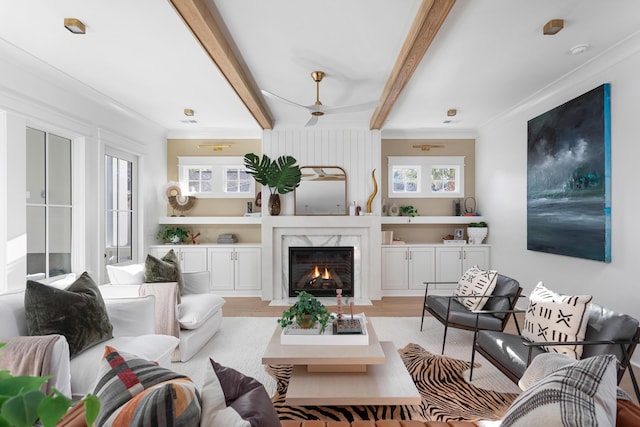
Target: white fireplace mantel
{"type": "Point", "coordinates": [278, 230]}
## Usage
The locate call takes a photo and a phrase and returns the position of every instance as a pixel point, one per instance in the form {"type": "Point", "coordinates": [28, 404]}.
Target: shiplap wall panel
{"type": "Point", "coordinates": [357, 151]}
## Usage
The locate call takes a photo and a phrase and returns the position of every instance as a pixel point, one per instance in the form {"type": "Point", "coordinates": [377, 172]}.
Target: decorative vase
{"type": "Point", "coordinates": [305, 322]}
{"type": "Point", "coordinates": [175, 240]}
{"type": "Point", "coordinates": [384, 208]}
{"type": "Point", "coordinates": [274, 204]}
{"type": "Point", "coordinates": [394, 210]}
{"type": "Point", "coordinates": [477, 234]}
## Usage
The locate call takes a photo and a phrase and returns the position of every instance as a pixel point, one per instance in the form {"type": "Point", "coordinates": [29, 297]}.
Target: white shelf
{"type": "Point", "coordinates": [185, 220]}
{"type": "Point", "coordinates": [430, 219]}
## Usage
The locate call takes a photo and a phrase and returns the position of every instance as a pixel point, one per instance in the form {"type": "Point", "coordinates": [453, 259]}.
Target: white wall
{"type": "Point", "coordinates": [501, 186]}
{"type": "Point", "coordinates": [32, 94]}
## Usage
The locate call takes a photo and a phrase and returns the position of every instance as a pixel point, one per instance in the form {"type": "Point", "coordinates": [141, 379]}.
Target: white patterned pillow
{"type": "Point", "coordinates": [553, 317]}
{"type": "Point", "coordinates": [476, 283]}
{"type": "Point", "coordinates": [581, 394]}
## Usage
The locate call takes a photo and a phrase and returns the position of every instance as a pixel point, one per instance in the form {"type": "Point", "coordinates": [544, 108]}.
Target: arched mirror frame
{"type": "Point", "coordinates": [322, 191]}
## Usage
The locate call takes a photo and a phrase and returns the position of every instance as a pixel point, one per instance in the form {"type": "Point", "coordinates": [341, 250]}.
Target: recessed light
{"type": "Point", "coordinates": [74, 25]}
{"type": "Point", "coordinates": [579, 48]}
{"type": "Point", "coordinates": [188, 112]}
{"type": "Point", "coordinates": [553, 27]}
{"type": "Point", "coordinates": [452, 112]}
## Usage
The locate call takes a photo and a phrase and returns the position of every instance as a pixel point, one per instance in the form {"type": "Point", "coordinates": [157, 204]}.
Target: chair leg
{"type": "Point", "coordinates": [444, 339]}
{"type": "Point", "coordinates": [473, 356]}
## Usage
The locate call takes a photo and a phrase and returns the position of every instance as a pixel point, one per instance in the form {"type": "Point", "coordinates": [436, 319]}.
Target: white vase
{"type": "Point", "coordinates": [477, 234]}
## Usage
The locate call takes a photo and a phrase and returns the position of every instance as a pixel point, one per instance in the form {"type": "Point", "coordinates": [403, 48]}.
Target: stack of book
{"type": "Point", "coordinates": [227, 238]}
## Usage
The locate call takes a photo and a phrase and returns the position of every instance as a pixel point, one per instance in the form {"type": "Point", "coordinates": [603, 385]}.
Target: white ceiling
{"type": "Point", "coordinates": [488, 57]}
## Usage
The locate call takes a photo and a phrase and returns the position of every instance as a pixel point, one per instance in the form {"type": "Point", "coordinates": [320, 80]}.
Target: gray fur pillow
{"type": "Point", "coordinates": [166, 269]}
{"type": "Point", "coordinates": [77, 312]}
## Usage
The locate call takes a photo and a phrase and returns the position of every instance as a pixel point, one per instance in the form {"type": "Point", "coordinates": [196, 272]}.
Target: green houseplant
{"type": "Point", "coordinates": [172, 234]}
{"type": "Point", "coordinates": [22, 403]}
{"type": "Point", "coordinates": [280, 176]}
{"type": "Point", "coordinates": [307, 311]}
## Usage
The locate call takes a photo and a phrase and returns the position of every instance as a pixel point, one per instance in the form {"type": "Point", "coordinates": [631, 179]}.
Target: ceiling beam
{"type": "Point", "coordinates": [199, 18]}
{"type": "Point", "coordinates": [428, 21]}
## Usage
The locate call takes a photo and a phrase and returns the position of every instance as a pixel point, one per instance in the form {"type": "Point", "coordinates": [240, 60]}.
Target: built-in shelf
{"type": "Point", "coordinates": [184, 220]}
{"type": "Point", "coordinates": [430, 219]}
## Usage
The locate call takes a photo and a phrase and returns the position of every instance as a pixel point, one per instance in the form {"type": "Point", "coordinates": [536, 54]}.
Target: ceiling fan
{"type": "Point", "coordinates": [317, 109]}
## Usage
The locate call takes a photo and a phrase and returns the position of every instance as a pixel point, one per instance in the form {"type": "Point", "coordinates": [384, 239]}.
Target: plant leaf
{"type": "Point", "coordinates": [258, 168]}
{"type": "Point", "coordinates": [285, 174]}
{"type": "Point", "coordinates": [21, 410]}
{"type": "Point", "coordinates": [91, 408]}
{"type": "Point", "coordinates": [52, 408]}
{"type": "Point", "coordinates": [11, 386]}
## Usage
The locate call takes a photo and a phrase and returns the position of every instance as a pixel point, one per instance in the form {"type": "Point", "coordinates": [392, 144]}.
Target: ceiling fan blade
{"type": "Point", "coordinates": [352, 108]}
{"type": "Point", "coordinates": [281, 99]}
{"type": "Point", "coordinates": [312, 121]}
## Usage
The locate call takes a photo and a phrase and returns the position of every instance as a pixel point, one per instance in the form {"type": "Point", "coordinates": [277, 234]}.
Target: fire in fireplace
{"type": "Point", "coordinates": [320, 270]}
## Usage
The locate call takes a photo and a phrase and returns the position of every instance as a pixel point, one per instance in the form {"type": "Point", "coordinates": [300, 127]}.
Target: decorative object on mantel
{"type": "Point", "coordinates": [470, 206]}
{"type": "Point", "coordinates": [193, 238]}
{"type": "Point", "coordinates": [375, 191]}
{"type": "Point", "coordinates": [409, 210]}
{"type": "Point", "coordinates": [307, 311]}
{"type": "Point", "coordinates": [394, 210]}
{"type": "Point", "coordinates": [384, 209]}
{"type": "Point", "coordinates": [173, 235]}
{"type": "Point", "coordinates": [281, 176]}
{"type": "Point", "coordinates": [227, 238]}
{"type": "Point", "coordinates": [477, 231]}
{"type": "Point", "coordinates": [182, 203]}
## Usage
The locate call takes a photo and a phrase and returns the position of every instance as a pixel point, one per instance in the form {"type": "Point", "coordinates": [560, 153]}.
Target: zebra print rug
{"type": "Point", "coordinates": [446, 396]}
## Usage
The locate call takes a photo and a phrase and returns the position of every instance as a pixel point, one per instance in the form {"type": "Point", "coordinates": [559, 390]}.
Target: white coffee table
{"type": "Point", "coordinates": [371, 374]}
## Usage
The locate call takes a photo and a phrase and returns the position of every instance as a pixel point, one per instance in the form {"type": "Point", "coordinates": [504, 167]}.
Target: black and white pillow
{"type": "Point", "coordinates": [553, 317]}
{"type": "Point", "coordinates": [475, 283]}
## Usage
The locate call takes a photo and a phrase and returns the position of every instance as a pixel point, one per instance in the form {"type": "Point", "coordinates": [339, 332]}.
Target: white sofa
{"type": "Point", "coordinates": [133, 332]}
{"type": "Point", "coordinates": [199, 312]}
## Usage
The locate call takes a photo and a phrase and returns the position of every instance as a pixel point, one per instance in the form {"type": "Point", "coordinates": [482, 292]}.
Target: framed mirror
{"type": "Point", "coordinates": [322, 191]}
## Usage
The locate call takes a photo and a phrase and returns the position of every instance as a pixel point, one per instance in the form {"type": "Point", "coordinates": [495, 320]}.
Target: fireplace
{"type": "Point", "coordinates": [321, 270]}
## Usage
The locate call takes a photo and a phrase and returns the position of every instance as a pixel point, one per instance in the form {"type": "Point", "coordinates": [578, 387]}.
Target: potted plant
{"type": "Point", "coordinates": [477, 231]}
{"type": "Point", "coordinates": [23, 403]}
{"type": "Point", "coordinates": [280, 176]}
{"type": "Point", "coordinates": [172, 234]}
{"type": "Point", "coordinates": [307, 311]}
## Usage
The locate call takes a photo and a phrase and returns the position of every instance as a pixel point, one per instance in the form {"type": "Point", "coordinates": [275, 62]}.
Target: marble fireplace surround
{"type": "Point", "coordinates": [281, 232]}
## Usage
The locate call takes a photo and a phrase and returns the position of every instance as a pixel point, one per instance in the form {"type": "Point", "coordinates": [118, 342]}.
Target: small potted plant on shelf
{"type": "Point", "coordinates": [281, 176]}
{"type": "Point", "coordinates": [307, 311]}
{"type": "Point", "coordinates": [172, 234]}
{"type": "Point", "coordinates": [477, 231]}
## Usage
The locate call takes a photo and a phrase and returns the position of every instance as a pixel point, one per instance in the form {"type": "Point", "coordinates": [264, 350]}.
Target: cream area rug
{"type": "Point", "coordinates": [241, 341]}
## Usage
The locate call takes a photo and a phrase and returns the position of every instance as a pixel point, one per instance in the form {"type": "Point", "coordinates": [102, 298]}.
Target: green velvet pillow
{"type": "Point", "coordinates": [77, 312]}
{"type": "Point", "coordinates": [166, 269]}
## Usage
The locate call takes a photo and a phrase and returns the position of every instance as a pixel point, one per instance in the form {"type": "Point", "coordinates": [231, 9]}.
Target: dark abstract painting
{"type": "Point", "coordinates": [569, 178]}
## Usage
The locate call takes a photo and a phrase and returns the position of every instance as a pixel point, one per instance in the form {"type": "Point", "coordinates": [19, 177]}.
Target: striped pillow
{"type": "Point", "coordinates": [123, 376]}
{"type": "Point", "coordinates": [475, 284]}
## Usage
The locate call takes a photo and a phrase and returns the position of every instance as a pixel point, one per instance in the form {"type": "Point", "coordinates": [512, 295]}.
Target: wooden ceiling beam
{"type": "Point", "coordinates": [428, 21]}
{"type": "Point", "coordinates": [199, 18]}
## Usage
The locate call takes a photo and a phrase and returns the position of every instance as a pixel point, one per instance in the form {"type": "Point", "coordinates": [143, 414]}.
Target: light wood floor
{"type": "Point", "coordinates": [386, 307]}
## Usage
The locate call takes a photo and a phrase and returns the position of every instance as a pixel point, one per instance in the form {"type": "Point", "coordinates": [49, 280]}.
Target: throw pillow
{"type": "Point", "coordinates": [582, 394]}
{"type": "Point", "coordinates": [474, 284]}
{"type": "Point", "coordinates": [77, 312]}
{"type": "Point", "coordinates": [123, 376]}
{"type": "Point", "coordinates": [231, 399]}
{"type": "Point", "coordinates": [553, 317]}
{"type": "Point", "coordinates": [125, 274]}
{"type": "Point", "coordinates": [541, 366]}
{"type": "Point", "coordinates": [165, 269]}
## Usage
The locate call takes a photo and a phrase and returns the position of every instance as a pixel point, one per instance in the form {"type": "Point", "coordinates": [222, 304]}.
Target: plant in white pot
{"type": "Point", "coordinates": [477, 231]}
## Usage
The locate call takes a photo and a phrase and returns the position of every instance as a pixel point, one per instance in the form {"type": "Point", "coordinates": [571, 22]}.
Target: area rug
{"type": "Point", "coordinates": [446, 396]}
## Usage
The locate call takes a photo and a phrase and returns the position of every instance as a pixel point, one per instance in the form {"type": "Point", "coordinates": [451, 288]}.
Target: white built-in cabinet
{"type": "Point", "coordinates": [231, 267]}
{"type": "Point", "coordinates": [235, 268]}
{"type": "Point", "coordinates": [407, 267]}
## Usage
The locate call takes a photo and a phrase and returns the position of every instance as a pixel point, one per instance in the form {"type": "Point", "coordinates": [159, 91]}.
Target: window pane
{"type": "Point", "coordinates": [124, 185]}
{"type": "Point", "coordinates": [124, 236]}
{"type": "Point", "coordinates": [194, 174]}
{"type": "Point", "coordinates": [111, 179]}
{"type": "Point", "coordinates": [405, 179]}
{"type": "Point", "coordinates": [59, 241]}
{"type": "Point", "coordinates": [36, 240]}
{"type": "Point", "coordinates": [59, 185]}
{"type": "Point", "coordinates": [206, 174]}
{"type": "Point", "coordinates": [36, 168]}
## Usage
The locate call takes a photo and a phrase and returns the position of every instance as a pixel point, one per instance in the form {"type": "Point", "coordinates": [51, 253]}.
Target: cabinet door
{"type": "Point", "coordinates": [448, 264]}
{"type": "Point", "coordinates": [193, 259]}
{"type": "Point", "coordinates": [475, 255]}
{"type": "Point", "coordinates": [422, 262]}
{"type": "Point", "coordinates": [394, 268]}
{"type": "Point", "coordinates": [222, 266]}
{"type": "Point", "coordinates": [248, 266]}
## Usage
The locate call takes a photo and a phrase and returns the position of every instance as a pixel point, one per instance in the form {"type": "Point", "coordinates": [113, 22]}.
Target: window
{"type": "Point", "coordinates": [119, 178]}
{"type": "Point", "coordinates": [215, 177]}
{"type": "Point", "coordinates": [49, 204]}
{"type": "Point", "coordinates": [426, 176]}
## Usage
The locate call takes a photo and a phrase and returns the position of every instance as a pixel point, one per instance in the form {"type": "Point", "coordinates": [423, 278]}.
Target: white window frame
{"type": "Point", "coordinates": [424, 165]}
{"type": "Point", "coordinates": [219, 166]}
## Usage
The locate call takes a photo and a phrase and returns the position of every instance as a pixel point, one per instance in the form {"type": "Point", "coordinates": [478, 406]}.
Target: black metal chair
{"type": "Point", "coordinates": [494, 315]}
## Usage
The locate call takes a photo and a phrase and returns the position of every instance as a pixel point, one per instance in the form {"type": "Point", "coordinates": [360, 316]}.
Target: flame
{"type": "Point", "coordinates": [325, 275]}
{"type": "Point", "coordinates": [316, 272]}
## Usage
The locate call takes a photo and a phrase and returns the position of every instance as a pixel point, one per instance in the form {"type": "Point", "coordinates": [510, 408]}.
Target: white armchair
{"type": "Point", "coordinates": [199, 312]}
